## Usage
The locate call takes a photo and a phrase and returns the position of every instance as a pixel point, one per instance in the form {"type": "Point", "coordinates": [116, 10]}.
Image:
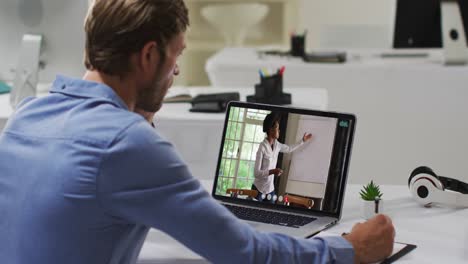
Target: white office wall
{"type": "Point", "coordinates": [352, 15]}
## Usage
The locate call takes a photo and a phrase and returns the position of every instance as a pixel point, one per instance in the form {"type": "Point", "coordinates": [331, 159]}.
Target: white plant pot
{"type": "Point", "coordinates": [371, 208]}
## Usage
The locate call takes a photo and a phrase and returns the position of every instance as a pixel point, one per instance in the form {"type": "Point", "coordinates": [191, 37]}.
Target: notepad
{"type": "Point", "coordinates": [178, 95]}
{"type": "Point", "coordinates": [399, 249]}
{"type": "Point", "coordinates": [180, 98]}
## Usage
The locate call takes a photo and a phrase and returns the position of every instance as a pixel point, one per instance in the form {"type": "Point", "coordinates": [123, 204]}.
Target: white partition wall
{"type": "Point", "coordinates": [410, 112]}
{"type": "Point", "coordinates": [372, 19]}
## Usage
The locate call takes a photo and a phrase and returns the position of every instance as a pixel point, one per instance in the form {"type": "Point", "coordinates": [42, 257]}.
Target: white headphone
{"type": "Point", "coordinates": [428, 188]}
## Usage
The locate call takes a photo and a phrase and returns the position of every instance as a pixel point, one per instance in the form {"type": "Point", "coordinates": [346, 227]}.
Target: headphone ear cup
{"type": "Point", "coordinates": [419, 170]}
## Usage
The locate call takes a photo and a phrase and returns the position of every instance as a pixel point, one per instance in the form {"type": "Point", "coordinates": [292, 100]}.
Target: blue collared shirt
{"type": "Point", "coordinates": [82, 179]}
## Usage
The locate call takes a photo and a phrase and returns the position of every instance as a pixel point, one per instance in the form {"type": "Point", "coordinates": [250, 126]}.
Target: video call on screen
{"type": "Point", "coordinates": [311, 174]}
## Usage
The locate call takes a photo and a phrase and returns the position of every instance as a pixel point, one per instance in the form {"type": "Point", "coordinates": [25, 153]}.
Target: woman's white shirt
{"type": "Point", "coordinates": [267, 158]}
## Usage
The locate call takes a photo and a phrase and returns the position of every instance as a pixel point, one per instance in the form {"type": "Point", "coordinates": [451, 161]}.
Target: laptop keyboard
{"type": "Point", "coordinates": [269, 217]}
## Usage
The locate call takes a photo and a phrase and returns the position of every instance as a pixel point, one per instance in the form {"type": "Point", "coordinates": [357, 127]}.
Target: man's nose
{"type": "Point", "coordinates": [176, 70]}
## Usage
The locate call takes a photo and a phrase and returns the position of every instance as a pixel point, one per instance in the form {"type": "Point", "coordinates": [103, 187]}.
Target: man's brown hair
{"type": "Point", "coordinates": [115, 29]}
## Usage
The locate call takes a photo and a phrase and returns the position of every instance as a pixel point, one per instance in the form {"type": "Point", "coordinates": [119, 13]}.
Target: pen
{"type": "Point", "coordinates": [281, 71]}
{"type": "Point", "coordinates": [261, 73]}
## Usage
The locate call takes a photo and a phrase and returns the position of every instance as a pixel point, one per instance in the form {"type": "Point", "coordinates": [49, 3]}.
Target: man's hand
{"type": "Point", "coordinates": [276, 171]}
{"type": "Point", "coordinates": [372, 240]}
{"type": "Point", "coordinates": [306, 137]}
{"type": "Point", "coordinates": [147, 115]}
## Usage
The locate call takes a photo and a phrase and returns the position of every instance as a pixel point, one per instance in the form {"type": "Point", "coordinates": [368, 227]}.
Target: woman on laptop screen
{"type": "Point", "coordinates": [267, 157]}
{"type": "Point", "coordinates": [284, 157]}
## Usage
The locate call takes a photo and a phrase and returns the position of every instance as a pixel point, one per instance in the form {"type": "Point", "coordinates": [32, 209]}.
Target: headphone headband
{"type": "Point", "coordinates": [427, 188]}
{"type": "Point", "coordinates": [420, 170]}
{"type": "Point", "coordinates": [454, 185]}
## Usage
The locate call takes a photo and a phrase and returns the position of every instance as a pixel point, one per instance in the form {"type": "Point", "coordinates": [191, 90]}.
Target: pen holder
{"type": "Point", "coordinates": [371, 208]}
{"type": "Point", "coordinates": [298, 45]}
{"type": "Point", "coordinates": [270, 91]}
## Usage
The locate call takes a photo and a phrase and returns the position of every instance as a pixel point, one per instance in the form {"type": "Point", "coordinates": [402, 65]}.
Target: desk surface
{"type": "Point", "coordinates": [174, 120]}
{"type": "Point", "coordinates": [441, 233]}
{"type": "Point", "coordinates": [306, 97]}
{"type": "Point", "coordinates": [239, 66]}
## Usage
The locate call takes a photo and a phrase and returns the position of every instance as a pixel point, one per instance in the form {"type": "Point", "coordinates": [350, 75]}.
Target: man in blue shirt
{"type": "Point", "coordinates": [83, 175]}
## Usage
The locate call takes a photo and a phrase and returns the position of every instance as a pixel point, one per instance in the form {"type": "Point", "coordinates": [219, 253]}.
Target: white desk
{"type": "Point", "coordinates": [441, 234]}
{"type": "Point", "coordinates": [5, 109]}
{"type": "Point", "coordinates": [197, 136]}
{"type": "Point", "coordinates": [239, 67]}
{"type": "Point", "coordinates": [410, 112]}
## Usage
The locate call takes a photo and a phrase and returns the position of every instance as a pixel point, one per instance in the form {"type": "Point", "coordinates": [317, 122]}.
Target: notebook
{"type": "Point", "coordinates": [291, 180]}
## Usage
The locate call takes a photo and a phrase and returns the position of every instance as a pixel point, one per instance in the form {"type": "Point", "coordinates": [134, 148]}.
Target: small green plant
{"type": "Point", "coordinates": [371, 192]}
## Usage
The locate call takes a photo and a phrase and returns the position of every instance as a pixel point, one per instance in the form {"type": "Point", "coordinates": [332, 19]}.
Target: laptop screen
{"type": "Point", "coordinates": [284, 157]}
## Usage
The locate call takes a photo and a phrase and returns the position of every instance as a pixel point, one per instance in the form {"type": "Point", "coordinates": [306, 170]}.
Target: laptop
{"type": "Point", "coordinates": [307, 195]}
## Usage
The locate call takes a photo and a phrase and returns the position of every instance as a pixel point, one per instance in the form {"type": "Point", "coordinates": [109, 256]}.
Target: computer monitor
{"type": "Point", "coordinates": [59, 22]}
{"type": "Point", "coordinates": [418, 23]}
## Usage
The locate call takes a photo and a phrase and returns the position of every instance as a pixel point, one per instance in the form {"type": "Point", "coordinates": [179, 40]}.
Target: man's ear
{"type": "Point", "coordinates": [148, 57]}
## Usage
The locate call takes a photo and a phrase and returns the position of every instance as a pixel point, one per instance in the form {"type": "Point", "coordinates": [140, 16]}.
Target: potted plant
{"type": "Point", "coordinates": [372, 203]}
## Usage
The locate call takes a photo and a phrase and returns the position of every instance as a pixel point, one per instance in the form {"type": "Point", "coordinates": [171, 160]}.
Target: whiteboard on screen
{"type": "Point", "coordinates": [311, 162]}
